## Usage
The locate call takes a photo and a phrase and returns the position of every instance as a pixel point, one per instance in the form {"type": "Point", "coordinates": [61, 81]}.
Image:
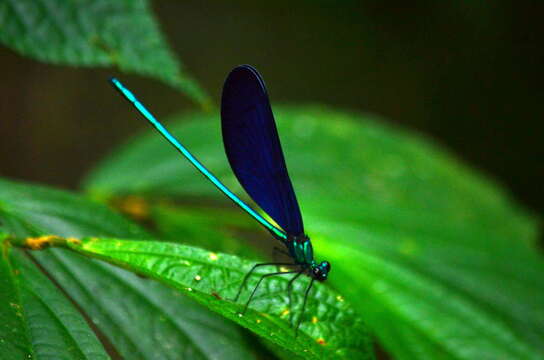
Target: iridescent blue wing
{"type": "Point", "coordinates": [253, 147]}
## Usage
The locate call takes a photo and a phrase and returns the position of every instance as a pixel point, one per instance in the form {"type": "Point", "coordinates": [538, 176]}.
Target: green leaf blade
{"type": "Point", "coordinates": [167, 322]}
{"type": "Point", "coordinates": [32, 210]}
{"type": "Point", "coordinates": [136, 328]}
{"type": "Point", "coordinates": [368, 162]}
{"type": "Point", "coordinates": [15, 342]}
{"type": "Point", "coordinates": [467, 330]}
{"type": "Point", "coordinates": [95, 33]}
{"type": "Point", "coordinates": [53, 327]}
{"type": "Point", "coordinates": [446, 293]}
{"type": "Point", "coordinates": [381, 197]}
{"type": "Point", "coordinates": [330, 327]}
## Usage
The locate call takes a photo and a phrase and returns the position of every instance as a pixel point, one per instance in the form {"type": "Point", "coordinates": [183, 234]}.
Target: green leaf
{"type": "Point", "coordinates": [151, 319]}
{"type": "Point", "coordinates": [32, 210]}
{"type": "Point", "coordinates": [15, 341]}
{"type": "Point", "coordinates": [37, 320]}
{"type": "Point", "coordinates": [329, 327]}
{"type": "Point", "coordinates": [487, 299]}
{"type": "Point", "coordinates": [150, 322]}
{"type": "Point", "coordinates": [438, 259]}
{"type": "Point", "coordinates": [165, 171]}
{"type": "Point", "coordinates": [94, 33]}
{"type": "Point", "coordinates": [207, 227]}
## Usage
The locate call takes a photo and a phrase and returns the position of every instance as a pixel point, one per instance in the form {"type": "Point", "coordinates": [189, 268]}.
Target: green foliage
{"type": "Point", "coordinates": [94, 33]}
{"type": "Point", "coordinates": [396, 174]}
{"type": "Point", "coordinates": [37, 320]}
{"type": "Point", "coordinates": [151, 320]}
{"type": "Point", "coordinates": [140, 319]}
{"type": "Point", "coordinates": [436, 258]}
{"type": "Point", "coordinates": [214, 278]}
{"type": "Point", "coordinates": [31, 210]}
{"type": "Point", "coordinates": [206, 227]}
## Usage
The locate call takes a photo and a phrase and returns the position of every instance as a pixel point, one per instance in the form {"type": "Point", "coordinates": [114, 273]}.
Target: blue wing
{"type": "Point", "coordinates": [253, 147]}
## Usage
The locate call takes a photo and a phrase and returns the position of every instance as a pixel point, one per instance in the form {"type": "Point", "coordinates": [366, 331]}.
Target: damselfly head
{"type": "Point", "coordinates": [321, 272]}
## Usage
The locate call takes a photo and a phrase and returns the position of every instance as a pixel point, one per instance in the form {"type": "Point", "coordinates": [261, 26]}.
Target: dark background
{"type": "Point", "coordinates": [466, 73]}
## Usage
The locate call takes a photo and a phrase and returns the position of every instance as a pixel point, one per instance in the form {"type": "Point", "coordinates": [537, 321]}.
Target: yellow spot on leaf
{"type": "Point", "coordinates": [284, 269]}
{"type": "Point", "coordinates": [198, 278]}
{"type": "Point", "coordinates": [73, 241]}
{"type": "Point", "coordinates": [41, 242]}
{"type": "Point", "coordinates": [340, 298]}
{"type": "Point", "coordinates": [258, 321]}
{"type": "Point", "coordinates": [213, 256]}
{"type": "Point", "coordinates": [285, 312]}
{"type": "Point", "coordinates": [314, 320]}
{"type": "Point", "coordinates": [17, 308]}
{"type": "Point", "coordinates": [321, 341]}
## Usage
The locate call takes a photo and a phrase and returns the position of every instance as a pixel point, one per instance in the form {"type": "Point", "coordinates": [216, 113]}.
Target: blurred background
{"type": "Point", "coordinates": [466, 74]}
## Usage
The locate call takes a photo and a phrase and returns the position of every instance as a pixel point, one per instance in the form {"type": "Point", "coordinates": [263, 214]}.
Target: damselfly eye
{"type": "Point", "coordinates": [325, 265]}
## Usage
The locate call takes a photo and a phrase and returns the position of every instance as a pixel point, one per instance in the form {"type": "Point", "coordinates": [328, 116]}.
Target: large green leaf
{"type": "Point", "coordinates": [15, 341]}
{"type": "Point", "coordinates": [38, 321]}
{"type": "Point", "coordinates": [485, 299]}
{"type": "Point", "coordinates": [329, 326]}
{"type": "Point", "coordinates": [389, 171]}
{"type": "Point", "coordinates": [206, 227]}
{"type": "Point", "coordinates": [120, 33]}
{"type": "Point", "coordinates": [149, 322]}
{"type": "Point", "coordinates": [438, 259]}
{"type": "Point", "coordinates": [31, 210]}
{"type": "Point", "coordinates": [151, 319]}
